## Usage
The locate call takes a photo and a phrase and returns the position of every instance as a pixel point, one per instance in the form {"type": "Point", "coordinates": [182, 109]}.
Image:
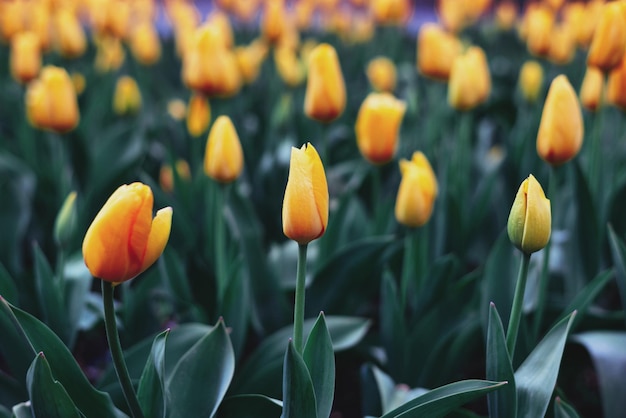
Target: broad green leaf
{"type": "Point", "coordinates": [589, 232]}
{"type": "Point", "coordinates": [77, 283]}
{"type": "Point", "coordinates": [320, 360]}
{"type": "Point", "coordinates": [237, 295]}
{"type": "Point", "coordinates": [8, 290]}
{"type": "Point", "coordinates": [150, 392]}
{"type": "Point", "coordinates": [50, 296]}
{"type": "Point", "coordinates": [298, 393]}
{"type": "Point", "coordinates": [618, 251]}
{"type": "Point", "coordinates": [438, 402]}
{"type": "Point", "coordinates": [250, 406]}
{"type": "Point", "coordinates": [389, 394]}
{"type": "Point", "coordinates": [48, 397]}
{"type": "Point", "coordinates": [606, 349]}
{"type": "Point", "coordinates": [536, 376]}
{"type": "Point", "coordinates": [4, 413]}
{"type": "Point", "coordinates": [586, 296]}
{"type": "Point", "coordinates": [393, 327]}
{"type": "Point", "coordinates": [503, 402]}
{"type": "Point", "coordinates": [11, 390]}
{"type": "Point", "coordinates": [23, 410]}
{"type": "Point", "coordinates": [564, 410]}
{"type": "Point", "coordinates": [202, 375]}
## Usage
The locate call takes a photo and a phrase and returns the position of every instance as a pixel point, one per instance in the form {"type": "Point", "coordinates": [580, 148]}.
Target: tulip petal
{"type": "Point", "coordinates": [159, 235]}
{"type": "Point", "coordinates": [537, 225]}
{"type": "Point", "coordinates": [320, 186]}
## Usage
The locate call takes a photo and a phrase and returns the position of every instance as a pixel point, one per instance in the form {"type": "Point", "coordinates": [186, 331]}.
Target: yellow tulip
{"type": "Point", "coordinates": [562, 46]}
{"type": "Point", "coordinates": [127, 96]}
{"type": "Point", "coordinates": [561, 129]}
{"type": "Point", "coordinates": [124, 240]}
{"type": "Point", "coordinates": [273, 20]}
{"type": "Point", "coordinates": [575, 17]}
{"type": "Point", "coordinates": [470, 81]}
{"type": "Point", "coordinates": [305, 205]}
{"type": "Point", "coordinates": [145, 44]}
{"type": "Point", "coordinates": [530, 220]}
{"type": "Point", "coordinates": [554, 4]}
{"type": "Point", "coordinates": [245, 10]}
{"type": "Point", "coordinates": [539, 22]}
{"type": "Point", "coordinates": [325, 97]}
{"type": "Point", "coordinates": [417, 192]}
{"type": "Point", "coordinates": [391, 12]}
{"type": "Point", "coordinates": [198, 114]}
{"type": "Point", "coordinates": [221, 22]}
{"type": "Point", "coordinates": [25, 56]}
{"type": "Point", "coordinates": [78, 80]}
{"type": "Point", "coordinates": [250, 58]}
{"type": "Point", "coordinates": [506, 15]}
{"type": "Point", "coordinates": [223, 159]}
{"type": "Point", "coordinates": [378, 125]}
{"type": "Point", "coordinates": [177, 109]}
{"type": "Point", "coordinates": [166, 175]}
{"type": "Point", "coordinates": [531, 80]}
{"type": "Point", "coordinates": [436, 51]}
{"type": "Point", "coordinates": [608, 44]}
{"type": "Point", "coordinates": [616, 86]}
{"type": "Point", "coordinates": [591, 89]}
{"type": "Point", "coordinates": [70, 36]}
{"type": "Point", "coordinates": [110, 54]}
{"type": "Point", "coordinates": [288, 66]}
{"type": "Point", "coordinates": [51, 101]}
{"type": "Point", "coordinates": [452, 14]}
{"type": "Point", "coordinates": [381, 73]}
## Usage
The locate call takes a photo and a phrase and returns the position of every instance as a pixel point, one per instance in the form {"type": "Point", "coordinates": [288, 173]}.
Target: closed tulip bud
{"type": "Point", "coordinates": [305, 206]}
{"type": "Point", "coordinates": [25, 57]}
{"type": "Point", "coordinates": [78, 80]}
{"type": "Point", "coordinates": [221, 22]}
{"type": "Point", "coordinates": [452, 14]}
{"type": "Point", "coordinates": [391, 12]}
{"type": "Point", "coordinates": [39, 21]}
{"type": "Point", "coordinates": [539, 21]}
{"type": "Point", "coordinates": [145, 44]}
{"type": "Point", "coordinates": [591, 89]}
{"type": "Point", "coordinates": [530, 220]}
{"type": "Point", "coordinates": [124, 239]}
{"type": "Point", "coordinates": [325, 97]}
{"type": "Point", "coordinates": [470, 81]}
{"type": "Point", "coordinates": [66, 220]}
{"type": "Point", "coordinates": [554, 4]}
{"type": "Point", "coordinates": [381, 73]}
{"type": "Point", "coordinates": [561, 129]}
{"type": "Point", "coordinates": [436, 51]}
{"type": "Point", "coordinates": [166, 175]}
{"type": "Point", "coordinates": [506, 15]}
{"type": "Point", "coordinates": [616, 86]}
{"type": "Point", "coordinates": [288, 66]}
{"type": "Point", "coordinates": [563, 45]}
{"type": "Point", "coordinates": [245, 10]}
{"type": "Point", "coordinates": [250, 58]}
{"type": "Point", "coordinates": [70, 36]}
{"type": "Point", "coordinates": [303, 11]}
{"type": "Point", "coordinates": [574, 17]}
{"type": "Point", "coordinates": [223, 159]}
{"type": "Point", "coordinates": [51, 101]}
{"type": "Point", "coordinates": [110, 54]}
{"type": "Point", "coordinates": [127, 97]}
{"type": "Point", "coordinates": [11, 21]}
{"type": "Point", "coordinates": [531, 80]}
{"type": "Point", "coordinates": [362, 28]}
{"type": "Point", "coordinates": [273, 20]}
{"type": "Point", "coordinates": [198, 114]}
{"type": "Point", "coordinates": [417, 192]}
{"type": "Point", "coordinates": [609, 39]}
{"type": "Point", "coordinates": [378, 125]}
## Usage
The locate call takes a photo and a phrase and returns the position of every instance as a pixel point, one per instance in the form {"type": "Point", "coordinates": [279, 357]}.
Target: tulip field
{"type": "Point", "coordinates": [312, 208]}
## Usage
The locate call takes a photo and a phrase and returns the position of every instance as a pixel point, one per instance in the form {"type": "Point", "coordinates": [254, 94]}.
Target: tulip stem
{"type": "Point", "coordinates": [116, 350]}
{"type": "Point", "coordinates": [596, 142]}
{"type": "Point", "coordinates": [221, 266]}
{"type": "Point", "coordinates": [516, 310]}
{"type": "Point", "coordinates": [414, 264]}
{"type": "Point", "coordinates": [298, 311]}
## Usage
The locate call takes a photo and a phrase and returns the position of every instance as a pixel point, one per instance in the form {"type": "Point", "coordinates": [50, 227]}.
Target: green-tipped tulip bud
{"type": "Point", "coordinates": [530, 220]}
{"type": "Point", "coordinates": [65, 223]}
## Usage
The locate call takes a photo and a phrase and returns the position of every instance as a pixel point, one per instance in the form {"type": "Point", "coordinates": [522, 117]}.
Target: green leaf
{"type": "Point", "coordinates": [298, 393]}
{"type": "Point", "coordinates": [393, 327]}
{"type": "Point", "coordinates": [586, 296]}
{"type": "Point", "coordinates": [564, 410]}
{"type": "Point", "coordinates": [250, 406]}
{"type": "Point", "coordinates": [503, 402]}
{"type": "Point", "coordinates": [151, 384]}
{"type": "Point", "coordinates": [588, 225]}
{"type": "Point", "coordinates": [50, 296]}
{"type": "Point", "coordinates": [438, 402]}
{"type": "Point", "coordinates": [237, 295]}
{"type": "Point", "coordinates": [4, 413]}
{"type": "Point", "coordinates": [606, 349]}
{"type": "Point", "coordinates": [536, 376]}
{"type": "Point", "coordinates": [23, 410]}
{"type": "Point", "coordinates": [320, 360]}
{"type": "Point", "coordinates": [48, 397]}
{"type": "Point", "coordinates": [618, 251]}
{"type": "Point", "coordinates": [201, 377]}
{"type": "Point", "coordinates": [8, 290]}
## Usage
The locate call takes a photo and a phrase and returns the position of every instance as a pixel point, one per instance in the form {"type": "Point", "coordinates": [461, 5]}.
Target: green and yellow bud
{"type": "Point", "coordinates": [530, 220]}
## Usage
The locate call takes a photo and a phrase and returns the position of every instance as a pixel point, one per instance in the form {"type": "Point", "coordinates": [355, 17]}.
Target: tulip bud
{"type": "Point", "coordinates": [198, 114]}
{"type": "Point", "coordinates": [378, 125]}
{"type": "Point", "coordinates": [305, 206]}
{"type": "Point", "coordinates": [78, 80]}
{"type": "Point", "coordinates": [531, 80]}
{"type": "Point", "coordinates": [288, 66]}
{"type": "Point", "coordinates": [391, 12]}
{"type": "Point", "coordinates": [222, 24]}
{"type": "Point", "coordinates": [591, 89]}
{"type": "Point", "coordinates": [609, 39]}
{"type": "Point", "coordinates": [417, 192]}
{"type": "Point", "coordinates": [127, 97]}
{"type": "Point", "coordinates": [166, 175]}
{"type": "Point", "coordinates": [145, 44]}
{"type": "Point", "coordinates": [436, 51]}
{"type": "Point", "coordinates": [109, 55]}
{"type": "Point", "coordinates": [249, 60]}
{"type": "Point", "coordinates": [177, 109]}
{"type": "Point", "coordinates": [470, 81]}
{"type": "Point", "coordinates": [561, 129]}
{"type": "Point", "coordinates": [70, 39]}
{"type": "Point", "coordinates": [616, 86]}
{"type": "Point", "coordinates": [539, 23]}
{"type": "Point", "coordinates": [124, 240]}
{"type": "Point", "coordinates": [506, 15]}
{"type": "Point", "coordinates": [452, 14]}
{"type": "Point", "coordinates": [325, 97]}
{"type": "Point", "coordinates": [562, 46]}
{"type": "Point", "coordinates": [25, 57]}
{"type": "Point", "coordinates": [66, 220]}
{"type": "Point", "coordinates": [381, 73]}
{"type": "Point", "coordinates": [273, 20]}
{"type": "Point", "coordinates": [529, 223]}
{"type": "Point", "coordinates": [223, 159]}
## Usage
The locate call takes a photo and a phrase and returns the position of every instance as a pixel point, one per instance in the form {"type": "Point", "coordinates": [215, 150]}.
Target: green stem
{"type": "Point", "coordinates": [516, 310]}
{"type": "Point", "coordinates": [376, 203]}
{"type": "Point", "coordinates": [116, 350]}
{"type": "Point", "coordinates": [596, 142]}
{"type": "Point", "coordinates": [298, 310]}
{"type": "Point", "coordinates": [414, 267]}
{"type": "Point", "coordinates": [221, 264]}
{"type": "Point", "coordinates": [407, 268]}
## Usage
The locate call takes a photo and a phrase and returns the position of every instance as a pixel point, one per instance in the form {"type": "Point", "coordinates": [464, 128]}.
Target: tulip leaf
{"type": "Point", "coordinates": [298, 393]}
{"type": "Point", "coordinates": [564, 410]}
{"type": "Point", "coordinates": [502, 403]}
{"type": "Point", "coordinates": [48, 397]}
{"type": "Point", "coordinates": [588, 224]}
{"type": "Point", "coordinates": [237, 295]}
{"type": "Point", "coordinates": [150, 392]}
{"type": "Point", "coordinates": [4, 413]}
{"type": "Point", "coordinates": [8, 290]}
{"type": "Point", "coordinates": [536, 376]}
{"type": "Point", "coordinates": [250, 406]}
{"type": "Point", "coordinates": [50, 296]}
{"type": "Point", "coordinates": [618, 251]}
{"type": "Point", "coordinates": [392, 326]}
{"type": "Point", "coordinates": [320, 360]}
{"type": "Point", "coordinates": [202, 375]}
{"type": "Point", "coordinates": [440, 401]}
{"type": "Point", "coordinates": [22, 410]}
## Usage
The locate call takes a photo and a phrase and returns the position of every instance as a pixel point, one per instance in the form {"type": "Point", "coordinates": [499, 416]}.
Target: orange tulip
{"type": "Point", "coordinates": [250, 58]}
{"type": "Point", "coordinates": [506, 15]}
{"type": "Point", "coordinates": [417, 192]}
{"type": "Point", "coordinates": [51, 101]}
{"type": "Point", "coordinates": [531, 80]}
{"type": "Point", "coordinates": [223, 159]}
{"type": "Point", "coordinates": [220, 21]}
{"type": "Point", "coordinates": [273, 20]}
{"type": "Point", "coordinates": [305, 206]}
{"type": "Point", "coordinates": [452, 14]}
{"type": "Point", "coordinates": [591, 89]}
{"type": "Point", "coordinates": [288, 66]}
{"type": "Point", "coordinates": [561, 129]}
{"type": "Point", "coordinates": [554, 4]}
{"type": "Point", "coordinates": [470, 81]}
{"type": "Point", "coordinates": [381, 73]}
{"type": "Point", "coordinates": [145, 44]}
{"type": "Point", "coordinates": [177, 109]}
{"type": "Point", "coordinates": [127, 97]}
{"type": "Point", "coordinates": [25, 56]}
{"type": "Point", "coordinates": [575, 18]}
{"type": "Point", "coordinates": [325, 97]}
{"type": "Point", "coordinates": [166, 175]}
{"type": "Point", "coordinates": [245, 10]}
{"type": "Point", "coordinates": [616, 86]}
{"type": "Point", "coordinates": [377, 127]}
{"type": "Point", "coordinates": [562, 46]}
{"type": "Point", "coordinates": [391, 12]}
{"type": "Point", "coordinates": [124, 240]}
{"type": "Point", "coordinates": [78, 80]}
{"type": "Point", "coordinates": [539, 22]}
{"type": "Point", "coordinates": [436, 51]}
{"type": "Point", "coordinates": [198, 114]}
{"type": "Point", "coordinates": [70, 36]}
{"type": "Point", "coordinates": [609, 39]}
{"type": "Point", "coordinates": [110, 54]}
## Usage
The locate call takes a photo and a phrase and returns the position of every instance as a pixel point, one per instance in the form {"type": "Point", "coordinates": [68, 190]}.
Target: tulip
{"type": "Point", "coordinates": [25, 57]}
{"type": "Point", "coordinates": [531, 80]}
{"type": "Point", "coordinates": [166, 175]}
{"type": "Point", "coordinates": [245, 10]}
{"type": "Point", "coordinates": [325, 97]}
{"type": "Point", "coordinates": [288, 66]}
{"type": "Point", "coordinates": [576, 19]}
{"type": "Point", "coordinates": [616, 86]}
{"type": "Point", "coordinates": [591, 89]}
{"type": "Point", "coordinates": [66, 221]}
{"type": "Point", "coordinates": [470, 81]}
{"type": "Point", "coordinates": [554, 4]}
{"type": "Point", "coordinates": [563, 45]}
{"type": "Point", "coordinates": [124, 240]}
{"type": "Point", "coordinates": [249, 60]}
{"type": "Point", "coordinates": [506, 15]}
{"type": "Point", "coordinates": [273, 20]}
{"type": "Point", "coordinates": [11, 21]}
{"type": "Point", "coordinates": [145, 44]}
{"type": "Point", "coordinates": [362, 28]}
{"type": "Point", "coordinates": [198, 114]}
{"type": "Point", "coordinates": [305, 206]}
{"type": "Point", "coordinates": [221, 22]}
{"type": "Point", "coordinates": [177, 109]}
{"type": "Point", "coordinates": [303, 11]}
{"type": "Point", "coordinates": [70, 39]}
{"type": "Point", "coordinates": [78, 80]}
{"type": "Point", "coordinates": [539, 23]}
{"type": "Point", "coordinates": [51, 101]}
{"type": "Point", "coordinates": [529, 223]}
{"type": "Point", "coordinates": [378, 125]}
{"type": "Point", "coordinates": [127, 96]}
{"type": "Point", "coordinates": [436, 51]}
{"type": "Point", "coordinates": [561, 129]}
{"type": "Point", "coordinates": [110, 54]}
{"type": "Point", "coordinates": [38, 20]}
{"type": "Point", "coordinates": [381, 73]}
{"type": "Point", "coordinates": [452, 14]}
{"type": "Point", "coordinates": [609, 39]}
{"type": "Point", "coordinates": [223, 160]}
{"type": "Point", "coordinates": [391, 12]}
{"type": "Point", "coordinates": [417, 192]}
